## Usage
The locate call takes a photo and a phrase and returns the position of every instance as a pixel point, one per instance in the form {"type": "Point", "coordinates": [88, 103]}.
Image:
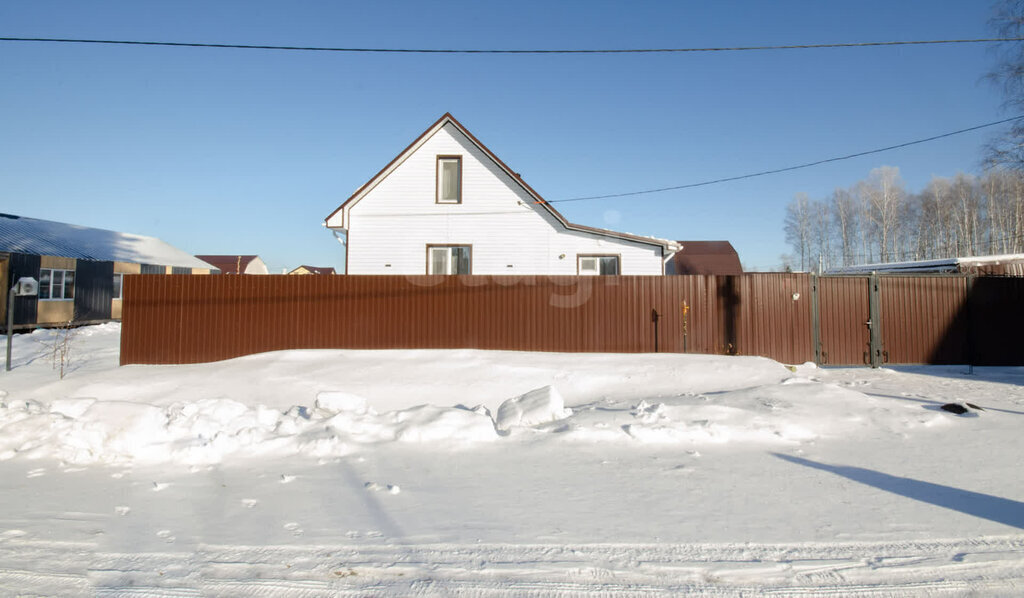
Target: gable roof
{"type": "Point", "coordinates": [447, 118]}
{"type": "Point", "coordinates": [230, 264]}
{"type": "Point", "coordinates": [19, 234]}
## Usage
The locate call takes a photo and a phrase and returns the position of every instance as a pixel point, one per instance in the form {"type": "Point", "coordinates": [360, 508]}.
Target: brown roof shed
{"type": "Point", "coordinates": [705, 257]}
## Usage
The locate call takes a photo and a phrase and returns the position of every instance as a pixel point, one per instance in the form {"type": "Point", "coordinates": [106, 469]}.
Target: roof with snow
{"type": "Point", "coordinates": [1006, 264]}
{"type": "Point", "coordinates": [32, 236]}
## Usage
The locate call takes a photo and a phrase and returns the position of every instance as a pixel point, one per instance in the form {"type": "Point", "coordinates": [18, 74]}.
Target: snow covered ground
{"type": "Point", "coordinates": [481, 473]}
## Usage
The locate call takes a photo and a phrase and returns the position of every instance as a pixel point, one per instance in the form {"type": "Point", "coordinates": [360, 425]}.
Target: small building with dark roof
{"type": "Point", "coordinates": [705, 257]}
{"type": "Point", "coordinates": [80, 270]}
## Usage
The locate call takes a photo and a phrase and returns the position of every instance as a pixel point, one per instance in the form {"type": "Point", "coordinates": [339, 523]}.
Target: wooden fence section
{"type": "Point", "coordinates": [789, 317]}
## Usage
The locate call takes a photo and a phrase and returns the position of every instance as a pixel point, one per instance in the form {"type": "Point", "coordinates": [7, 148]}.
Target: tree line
{"type": "Point", "coordinates": [878, 220]}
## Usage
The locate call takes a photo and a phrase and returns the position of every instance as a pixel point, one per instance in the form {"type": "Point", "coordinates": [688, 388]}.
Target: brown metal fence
{"type": "Point", "coordinates": [192, 319]}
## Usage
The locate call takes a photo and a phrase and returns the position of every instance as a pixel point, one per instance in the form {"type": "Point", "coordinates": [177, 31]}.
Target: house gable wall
{"type": "Point", "coordinates": [391, 226]}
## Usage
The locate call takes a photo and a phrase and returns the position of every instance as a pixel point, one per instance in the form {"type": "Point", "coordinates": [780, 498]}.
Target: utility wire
{"type": "Point", "coordinates": [524, 51]}
{"type": "Point", "coordinates": [788, 168]}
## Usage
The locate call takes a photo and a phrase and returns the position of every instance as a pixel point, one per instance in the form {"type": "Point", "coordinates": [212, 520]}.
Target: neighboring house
{"type": "Point", "coordinates": [705, 257]}
{"type": "Point", "coordinates": [447, 205]}
{"type": "Point", "coordinates": [80, 270]}
{"type": "Point", "coordinates": [992, 265]}
{"type": "Point", "coordinates": [236, 264]}
{"type": "Point", "coordinates": [312, 270]}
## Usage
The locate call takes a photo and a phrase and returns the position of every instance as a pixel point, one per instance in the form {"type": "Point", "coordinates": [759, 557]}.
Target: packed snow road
{"type": "Point", "coordinates": [437, 473]}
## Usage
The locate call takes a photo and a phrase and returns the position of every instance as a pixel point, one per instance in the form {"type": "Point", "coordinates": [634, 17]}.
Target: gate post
{"type": "Point", "coordinates": [968, 307]}
{"type": "Point", "coordinates": [815, 320]}
{"type": "Point", "coordinates": [874, 322]}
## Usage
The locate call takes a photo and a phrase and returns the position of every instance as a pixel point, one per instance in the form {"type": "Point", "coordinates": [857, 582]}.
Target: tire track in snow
{"type": "Point", "coordinates": [940, 567]}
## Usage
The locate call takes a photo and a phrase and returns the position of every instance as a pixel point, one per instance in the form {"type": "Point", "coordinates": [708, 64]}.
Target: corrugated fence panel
{"type": "Point", "coordinates": [843, 308]}
{"type": "Point", "coordinates": [189, 319]}
{"type": "Point", "coordinates": [924, 319]}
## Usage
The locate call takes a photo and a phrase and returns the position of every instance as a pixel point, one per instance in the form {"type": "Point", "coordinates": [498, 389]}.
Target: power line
{"type": "Point", "coordinates": [512, 51]}
{"type": "Point", "coordinates": [788, 168]}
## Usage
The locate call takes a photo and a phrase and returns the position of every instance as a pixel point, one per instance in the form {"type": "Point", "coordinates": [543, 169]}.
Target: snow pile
{"type": "Point", "coordinates": [538, 406]}
{"type": "Point", "coordinates": [201, 414]}
{"type": "Point", "coordinates": [85, 430]}
{"type": "Point", "coordinates": [88, 430]}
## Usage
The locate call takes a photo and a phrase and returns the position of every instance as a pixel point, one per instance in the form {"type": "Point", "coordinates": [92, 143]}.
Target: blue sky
{"type": "Point", "coordinates": [247, 151]}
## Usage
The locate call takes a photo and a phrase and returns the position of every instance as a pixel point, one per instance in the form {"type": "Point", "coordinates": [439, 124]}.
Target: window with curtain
{"type": "Point", "coordinates": [449, 179]}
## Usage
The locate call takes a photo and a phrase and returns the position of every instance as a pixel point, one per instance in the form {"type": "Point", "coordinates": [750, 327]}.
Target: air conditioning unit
{"type": "Point", "coordinates": [26, 287]}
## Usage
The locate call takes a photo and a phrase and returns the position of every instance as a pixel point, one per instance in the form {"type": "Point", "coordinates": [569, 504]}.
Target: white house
{"type": "Point", "coordinates": [448, 205]}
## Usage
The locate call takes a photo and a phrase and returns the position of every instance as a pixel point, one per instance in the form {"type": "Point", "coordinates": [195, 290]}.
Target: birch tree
{"type": "Point", "coordinates": [1007, 150]}
{"type": "Point", "coordinates": [798, 227]}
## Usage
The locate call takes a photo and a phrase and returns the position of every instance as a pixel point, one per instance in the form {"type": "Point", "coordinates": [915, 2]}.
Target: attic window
{"type": "Point", "coordinates": [449, 179]}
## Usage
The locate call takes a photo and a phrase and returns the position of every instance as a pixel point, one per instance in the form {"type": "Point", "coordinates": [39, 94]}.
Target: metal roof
{"type": "Point", "coordinates": [1010, 264]}
{"type": "Point", "coordinates": [706, 257]}
{"type": "Point", "coordinates": [32, 236]}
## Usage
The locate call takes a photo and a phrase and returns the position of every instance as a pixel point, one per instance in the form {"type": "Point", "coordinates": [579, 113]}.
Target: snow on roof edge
{"type": "Point", "coordinates": [22, 234]}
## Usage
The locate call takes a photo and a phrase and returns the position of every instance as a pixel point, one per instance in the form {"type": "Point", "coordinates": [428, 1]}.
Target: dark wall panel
{"type": "Point", "coordinates": [995, 319]}
{"type": "Point", "coordinates": [94, 288]}
{"type": "Point", "coordinates": [24, 307]}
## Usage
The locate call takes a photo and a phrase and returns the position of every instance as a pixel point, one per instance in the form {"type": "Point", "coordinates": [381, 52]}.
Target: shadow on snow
{"type": "Point", "coordinates": [1001, 510]}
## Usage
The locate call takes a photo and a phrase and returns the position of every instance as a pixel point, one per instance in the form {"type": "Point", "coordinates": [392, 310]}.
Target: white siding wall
{"type": "Point", "coordinates": [396, 220]}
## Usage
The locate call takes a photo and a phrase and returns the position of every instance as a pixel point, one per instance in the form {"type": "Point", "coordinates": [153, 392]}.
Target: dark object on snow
{"type": "Point", "coordinates": [959, 409]}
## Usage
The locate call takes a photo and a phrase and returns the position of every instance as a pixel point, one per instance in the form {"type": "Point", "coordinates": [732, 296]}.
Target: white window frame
{"type": "Point", "coordinates": [119, 285]}
{"type": "Point", "coordinates": [51, 286]}
{"type": "Point", "coordinates": [448, 258]}
{"type": "Point", "coordinates": [590, 264]}
{"type": "Point", "coordinates": [441, 161]}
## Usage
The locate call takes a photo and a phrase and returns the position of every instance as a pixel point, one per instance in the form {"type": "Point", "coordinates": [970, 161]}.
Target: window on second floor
{"type": "Point", "coordinates": [449, 179]}
{"type": "Point", "coordinates": [449, 259]}
{"type": "Point", "coordinates": [56, 285]}
{"type": "Point", "coordinates": [598, 265]}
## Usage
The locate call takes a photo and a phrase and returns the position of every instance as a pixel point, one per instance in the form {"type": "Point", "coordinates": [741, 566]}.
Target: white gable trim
{"type": "Point", "coordinates": [339, 219]}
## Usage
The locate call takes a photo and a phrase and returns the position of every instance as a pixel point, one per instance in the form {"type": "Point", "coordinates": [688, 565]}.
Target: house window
{"type": "Point", "coordinates": [180, 270]}
{"type": "Point", "coordinates": [449, 259]}
{"type": "Point", "coordinates": [449, 179]}
{"type": "Point", "coordinates": [56, 285]}
{"type": "Point", "coordinates": [598, 265]}
{"type": "Point", "coordinates": [118, 281]}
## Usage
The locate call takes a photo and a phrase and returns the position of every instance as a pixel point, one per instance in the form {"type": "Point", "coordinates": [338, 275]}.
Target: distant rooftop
{"type": "Point", "coordinates": [324, 270]}
{"type": "Point", "coordinates": [236, 264]}
{"type": "Point", "coordinates": [706, 257]}
{"type": "Point", "coordinates": [991, 264]}
{"type": "Point", "coordinates": [19, 234]}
